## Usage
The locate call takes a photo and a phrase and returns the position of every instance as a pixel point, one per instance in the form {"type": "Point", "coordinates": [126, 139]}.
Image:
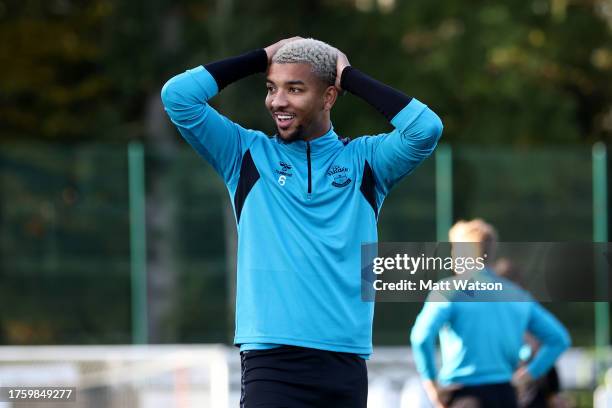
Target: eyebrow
{"type": "Point", "coordinates": [292, 82]}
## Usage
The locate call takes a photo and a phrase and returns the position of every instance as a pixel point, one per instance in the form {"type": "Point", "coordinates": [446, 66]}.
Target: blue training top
{"type": "Point", "coordinates": [480, 341]}
{"type": "Point", "coordinates": [302, 210]}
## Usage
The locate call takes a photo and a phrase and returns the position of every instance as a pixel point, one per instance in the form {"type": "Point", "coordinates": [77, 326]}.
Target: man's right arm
{"type": "Point", "coordinates": [215, 137]}
{"type": "Point", "coordinates": [423, 340]}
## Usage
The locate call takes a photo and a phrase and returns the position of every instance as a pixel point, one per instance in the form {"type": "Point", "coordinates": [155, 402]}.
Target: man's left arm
{"type": "Point", "coordinates": [417, 128]}
{"type": "Point", "coordinates": [553, 337]}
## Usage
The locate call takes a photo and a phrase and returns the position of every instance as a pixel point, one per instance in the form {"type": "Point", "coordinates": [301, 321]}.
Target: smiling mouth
{"type": "Point", "coordinates": [283, 120]}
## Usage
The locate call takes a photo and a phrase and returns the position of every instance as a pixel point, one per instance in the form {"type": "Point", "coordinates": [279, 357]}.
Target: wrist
{"type": "Point", "coordinates": [344, 75]}
{"type": "Point", "coordinates": [258, 59]}
{"type": "Point", "coordinates": [269, 53]}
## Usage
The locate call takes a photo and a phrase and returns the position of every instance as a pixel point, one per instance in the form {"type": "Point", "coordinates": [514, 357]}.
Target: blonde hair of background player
{"type": "Point", "coordinates": [474, 238]}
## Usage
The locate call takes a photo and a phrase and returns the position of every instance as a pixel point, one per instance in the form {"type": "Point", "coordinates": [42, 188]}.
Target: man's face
{"type": "Point", "coordinates": [298, 101]}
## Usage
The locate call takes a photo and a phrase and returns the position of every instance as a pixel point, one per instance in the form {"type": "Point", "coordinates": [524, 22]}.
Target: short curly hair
{"type": "Point", "coordinates": [320, 55]}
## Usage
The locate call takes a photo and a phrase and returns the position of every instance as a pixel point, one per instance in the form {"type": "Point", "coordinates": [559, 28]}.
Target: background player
{"type": "Point", "coordinates": [480, 341]}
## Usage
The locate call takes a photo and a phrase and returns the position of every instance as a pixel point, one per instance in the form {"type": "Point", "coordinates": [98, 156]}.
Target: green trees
{"type": "Point", "coordinates": [503, 72]}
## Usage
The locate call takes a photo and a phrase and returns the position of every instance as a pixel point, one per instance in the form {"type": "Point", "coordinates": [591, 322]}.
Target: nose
{"type": "Point", "coordinates": [279, 100]}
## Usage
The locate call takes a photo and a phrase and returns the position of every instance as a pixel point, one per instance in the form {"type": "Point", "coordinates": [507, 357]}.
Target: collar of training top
{"type": "Point", "coordinates": [320, 145]}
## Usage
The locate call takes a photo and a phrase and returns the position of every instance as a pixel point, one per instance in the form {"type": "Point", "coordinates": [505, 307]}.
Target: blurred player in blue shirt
{"type": "Point", "coordinates": [480, 340]}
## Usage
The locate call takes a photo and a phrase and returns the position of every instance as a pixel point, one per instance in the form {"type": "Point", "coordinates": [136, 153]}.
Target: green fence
{"type": "Point", "coordinates": [69, 249]}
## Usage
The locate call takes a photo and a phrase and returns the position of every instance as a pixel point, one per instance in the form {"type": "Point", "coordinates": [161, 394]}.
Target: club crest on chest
{"type": "Point", "coordinates": [339, 175]}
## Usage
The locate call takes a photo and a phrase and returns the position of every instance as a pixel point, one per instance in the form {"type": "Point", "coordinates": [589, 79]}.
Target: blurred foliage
{"type": "Point", "coordinates": [52, 59]}
{"type": "Point", "coordinates": [510, 72]}
{"type": "Point", "coordinates": [76, 71]}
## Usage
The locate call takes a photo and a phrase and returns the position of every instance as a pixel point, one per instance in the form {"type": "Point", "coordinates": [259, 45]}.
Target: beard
{"type": "Point", "coordinates": [297, 134]}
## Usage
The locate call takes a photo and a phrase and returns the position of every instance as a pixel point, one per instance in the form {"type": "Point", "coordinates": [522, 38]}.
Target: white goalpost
{"type": "Point", "coordinates": [123, 376]}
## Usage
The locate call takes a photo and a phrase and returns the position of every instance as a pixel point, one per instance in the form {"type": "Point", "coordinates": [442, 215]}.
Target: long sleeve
{"type": "Point", "coordinates": [423, 336]}
{"type": "Point", "coordinates": [554, 340]}
{"type": "Point", "coordinates": [232, 69]}
{"type": "Point", "coordinates": [416, 134]}
{"type": "Point", "coordinates": [216, 138]}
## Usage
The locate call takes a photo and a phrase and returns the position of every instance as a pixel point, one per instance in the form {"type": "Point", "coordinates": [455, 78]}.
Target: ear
{"type": "Point", "coordinates": [329, 97]}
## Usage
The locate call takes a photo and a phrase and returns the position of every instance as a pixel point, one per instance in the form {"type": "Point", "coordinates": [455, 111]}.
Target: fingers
{"type": "Point", "coordinates": [271, 49]}
{"type": "Point", "coordinates": [445, 393]}
{"type": "Point", "coordinates": [342, 56]}
{"type": "Point", "coordinates": [521, 376]}
{"type": "Point", "coordinates": [288, 40]}
{"type": "Point", "coordinates": [341, 63]}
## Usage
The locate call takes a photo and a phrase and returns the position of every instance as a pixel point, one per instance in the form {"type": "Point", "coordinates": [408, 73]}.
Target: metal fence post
{"type": "Point", "coordinates": [138, 247]}
{"type": "Point", "coordinates": [444, 192]}
{"type": "Point", "coordinates": [600, 234]}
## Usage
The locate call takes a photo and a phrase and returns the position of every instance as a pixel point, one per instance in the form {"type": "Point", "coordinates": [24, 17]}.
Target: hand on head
{"type": "Point", "coordinates": [341, 63]}
{"type": "Point", "coordinates": [271, 49]}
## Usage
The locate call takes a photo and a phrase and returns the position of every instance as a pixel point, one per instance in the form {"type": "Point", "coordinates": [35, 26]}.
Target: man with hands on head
{"type": "Point", "coordinates": [305, 200]}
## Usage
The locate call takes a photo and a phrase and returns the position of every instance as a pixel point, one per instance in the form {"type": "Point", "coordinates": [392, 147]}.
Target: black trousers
{"type": "Point", "coordinates": [500, 395]}
{"type": "Point", "coordinates": [299, 377]}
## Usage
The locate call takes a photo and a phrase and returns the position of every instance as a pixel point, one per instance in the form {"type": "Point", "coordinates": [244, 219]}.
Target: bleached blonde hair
{"type": "Point", "coordinates": [475, 231]}
{"type": "Point", "coordinates": [321, 56]}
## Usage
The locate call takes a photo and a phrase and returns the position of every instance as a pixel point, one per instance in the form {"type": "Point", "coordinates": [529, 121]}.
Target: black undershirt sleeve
{"type": "Point", "coordinates": [383, 98]}
{"type": "Point", "coordinates": [232, 69]}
